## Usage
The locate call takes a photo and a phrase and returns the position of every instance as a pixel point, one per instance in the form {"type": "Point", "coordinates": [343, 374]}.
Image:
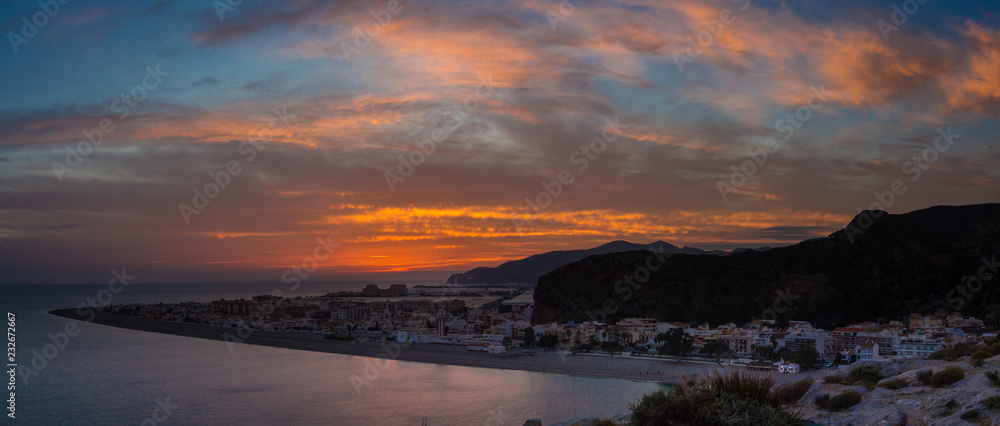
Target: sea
{"type": "Point", "coordinates": [105, 375]}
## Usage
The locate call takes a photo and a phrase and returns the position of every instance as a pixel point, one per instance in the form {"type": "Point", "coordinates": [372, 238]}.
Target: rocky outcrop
{"type": "Point", "coordinates": [915, 404]}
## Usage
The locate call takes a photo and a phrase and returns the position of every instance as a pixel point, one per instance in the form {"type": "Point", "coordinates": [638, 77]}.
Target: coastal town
{"type": "Point", "coordinates": [497, 320]}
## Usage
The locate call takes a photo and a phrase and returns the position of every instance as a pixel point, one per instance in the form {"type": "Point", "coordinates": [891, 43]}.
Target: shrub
{"type": "Point", "coordinates": [735, 410]}
{"type": "Point", "coordinates": [925, 376]}
{"type": "Point", "coordinates": [942, 354]}
{"type": "Point", "coordinates": [791, 394]}
{"type": "Point", "coordinates": [954, 352]}
{"type": "Point", "coordinates": [970, 416]}
{"type": "Point", "coordinates": [992, 403]}
{"type": "Point", "coordinates": [982, 353]}
{"type": "Point", "coordinates": [657, 407]}
{"type": "Point", "coordinates": [605, 422]}
{"type": "Point", "coordinates": [947, 376]}
{"type": "Point", "coordinates": [894, 384]}
{"type": "Point", "coordinates": [724, 399]}
{"type": "Point", "coordinates": [865, 374]}
{"type": "Point", "coordinates": [845, 400]}
{"type": "Point", "coordinates": [835, 379]}
{"type": "Point", "coordinates": [994, 378]}
{"type": "Point", "coordinates": [823, 401]}
{"type": "Point", "coordinates": [753, 386]}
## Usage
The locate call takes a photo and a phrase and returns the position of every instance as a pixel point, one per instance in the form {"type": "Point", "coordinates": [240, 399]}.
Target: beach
{"type": "Point", "coordinates": [641, 369]}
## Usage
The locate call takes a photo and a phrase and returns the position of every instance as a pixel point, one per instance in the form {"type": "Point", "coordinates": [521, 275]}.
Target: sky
{"type": "Point", "coordinates": [231, 140]}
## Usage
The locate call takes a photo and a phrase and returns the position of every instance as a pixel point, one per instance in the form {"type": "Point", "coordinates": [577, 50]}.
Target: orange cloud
{"type": "Point", "coordinates": [978, 87]}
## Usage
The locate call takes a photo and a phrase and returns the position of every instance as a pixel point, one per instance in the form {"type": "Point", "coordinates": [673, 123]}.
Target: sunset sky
{"type": "Point", "coordinates": [350, 107]}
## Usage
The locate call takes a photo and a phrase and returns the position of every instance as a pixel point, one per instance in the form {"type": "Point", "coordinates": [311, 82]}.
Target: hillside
{"type": "Point", "coordinates": [528, 270]}
{"type": "Point", "coordinates": [904, 263]}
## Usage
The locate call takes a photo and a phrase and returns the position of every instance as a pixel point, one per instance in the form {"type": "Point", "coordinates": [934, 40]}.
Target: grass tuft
{"type": "Point", "coordinates": [994, 378]}
{"type": "Point", "coordinates": [841, 402]}
{"type": "Point", "coordinates": [752, 386]}
{"type": "Point", "coordinates": [894, 384]}
{"type": "Point", "coordinates": [992, 403]}
{"type": "Point", "coordinates": [925, 376]}
{"type": "Point", "coordinates": [866, 374]}
{"type": "Point", "coordinates": [835, 379]}
{"type": "Point", "coordinates": [947, 377]}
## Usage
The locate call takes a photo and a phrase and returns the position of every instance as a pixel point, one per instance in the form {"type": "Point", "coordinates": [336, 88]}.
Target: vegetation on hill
{"type": "Point", "coordinates": [867, 375]}
{"type": "Point", "coordinates": [945, 377]}
{"type": "Point", "coordinates": [840, 402]}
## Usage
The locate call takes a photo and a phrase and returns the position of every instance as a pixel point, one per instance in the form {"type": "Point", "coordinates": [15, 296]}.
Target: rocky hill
{"type": "Point", "coordinates": [880, 266]}
{"type": "Point", "coordinates": [528, 270]}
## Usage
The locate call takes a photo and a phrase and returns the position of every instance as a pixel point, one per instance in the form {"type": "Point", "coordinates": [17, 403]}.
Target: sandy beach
{"type": "Point", "coordinates": [578, 365]}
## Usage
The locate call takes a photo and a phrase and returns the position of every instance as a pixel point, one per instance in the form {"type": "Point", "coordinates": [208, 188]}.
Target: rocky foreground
{"type": "Point", "coordinates": [916, 403]}
{"type": "Point", "coordinates": [898, 399]}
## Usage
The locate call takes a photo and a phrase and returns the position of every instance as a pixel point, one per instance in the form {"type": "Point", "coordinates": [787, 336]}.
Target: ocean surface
{"type": "Point", "coordinates": [107, 375]}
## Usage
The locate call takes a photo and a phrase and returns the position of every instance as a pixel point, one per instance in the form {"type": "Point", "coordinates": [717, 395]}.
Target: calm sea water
{"type": "Point", "coordinates": [113, 376]}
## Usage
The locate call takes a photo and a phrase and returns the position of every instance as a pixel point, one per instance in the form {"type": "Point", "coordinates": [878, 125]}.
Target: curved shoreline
{"type": "Point", "coordinates": [586, 366]}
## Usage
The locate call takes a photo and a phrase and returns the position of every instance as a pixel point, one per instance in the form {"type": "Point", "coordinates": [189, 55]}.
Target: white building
{"type": "Point", "coordinates": [787, 367]}
{"type": "Point", "coordinates": [867, 351]}
{"type": "Point", "coordinates": [918, 345]}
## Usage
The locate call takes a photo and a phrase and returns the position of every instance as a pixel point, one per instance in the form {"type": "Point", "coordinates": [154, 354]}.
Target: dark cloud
{"type": "Point", "coordinates": [795, 233]}
{"type": "Point", "coordinates": [59, 227]}
{"type": "Point", "coordinates": [160, 6]}
{"type": "Point", "coordinates": [248, 19]}
{"type": "Point", "coordinates": [272, 84]}
{"type": "Point", "coordinates": [210, 81]}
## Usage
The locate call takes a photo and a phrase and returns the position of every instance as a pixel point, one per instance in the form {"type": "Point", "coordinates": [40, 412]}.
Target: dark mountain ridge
{"type": "Point", "coordinates": [880, 266]}
{"type": "Point", "coordinates": [528, 270]}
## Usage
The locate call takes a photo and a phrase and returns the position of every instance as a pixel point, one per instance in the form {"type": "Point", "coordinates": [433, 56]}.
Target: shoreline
{"type": "Point", "coordinates": [602, 367]}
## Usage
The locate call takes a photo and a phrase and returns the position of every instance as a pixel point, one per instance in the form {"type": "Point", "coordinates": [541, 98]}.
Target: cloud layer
{"type": "Point", "coordinates": [422, 134]}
